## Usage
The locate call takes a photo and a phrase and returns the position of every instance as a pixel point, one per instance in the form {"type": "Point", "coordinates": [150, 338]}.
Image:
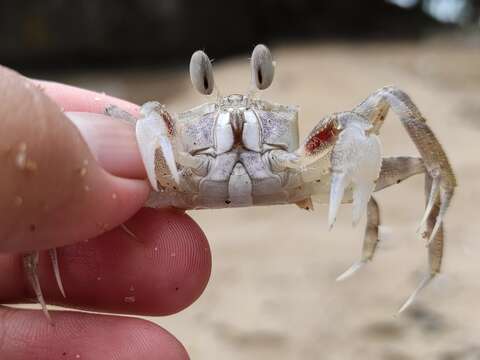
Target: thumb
{"type": "Point", "coordinates": [53, 192]}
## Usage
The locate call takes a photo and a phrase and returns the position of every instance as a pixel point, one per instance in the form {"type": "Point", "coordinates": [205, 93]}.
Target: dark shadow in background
{"type": "Point", "coordinates": [56, 34]}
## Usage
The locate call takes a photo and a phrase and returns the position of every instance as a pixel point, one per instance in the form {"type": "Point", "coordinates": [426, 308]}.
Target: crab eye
{"type": "Point", "coordinates": [201, 73]}
{"type": "Point", "coordinates": [262, 67]}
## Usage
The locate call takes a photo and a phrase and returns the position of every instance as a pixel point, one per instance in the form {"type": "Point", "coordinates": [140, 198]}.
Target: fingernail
{"type": "Point", "coordinates": [112, 143]}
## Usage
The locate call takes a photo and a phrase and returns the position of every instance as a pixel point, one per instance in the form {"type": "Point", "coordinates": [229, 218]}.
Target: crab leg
{"type": "Point", "coordinates": [393, 171]}
{"type": "Point", "coordinates": [281, 160]}
{"type": "Point", "coordinates": [435, 248]}
{"type": "Point", "coordinates": [440, 179]}
{"type": "Point", "coordinates": [119, 113]}
{"type": "Point", "coordinates": [430, 201]}
{"type": "Point", "coordinates": [355, 160]}
{"type": "Point", "coordinates": [370, 240]}
{"type": "Point", "coordinates": [396, 169]}
{"type": "Point", "coordinates": [30, 264]}
{"type": "Point", "coordinates": [56, 270]}
{"type": "Point", "coordinates": [434, 158]}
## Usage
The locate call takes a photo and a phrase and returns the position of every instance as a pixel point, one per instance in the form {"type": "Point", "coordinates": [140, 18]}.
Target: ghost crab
{"type": "Point", "coordinates": [242, 151]}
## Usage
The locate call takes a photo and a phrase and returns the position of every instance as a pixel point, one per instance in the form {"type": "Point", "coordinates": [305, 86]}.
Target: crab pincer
{"type": "Point", "coordinates": [154, 133]}
{"type": "Point", "coordinates": [355, 162]}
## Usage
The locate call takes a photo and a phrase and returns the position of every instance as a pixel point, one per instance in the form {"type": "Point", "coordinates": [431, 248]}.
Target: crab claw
{"type": "Point", "coordinates": [153, 137]}
{"type": "Point", "coordinates": [356, 161]}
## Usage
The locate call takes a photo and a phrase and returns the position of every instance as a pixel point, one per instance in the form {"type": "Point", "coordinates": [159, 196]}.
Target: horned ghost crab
{"type": "Point", "coordinates": [239, 150]}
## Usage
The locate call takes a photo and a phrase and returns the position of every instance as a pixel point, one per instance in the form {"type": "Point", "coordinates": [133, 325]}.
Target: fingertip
{"type": "Point", "coordinates": [112, 142]}
{"type": "Point", "coordinates": [161, 270]}
{"type": "Point", "coordinates": [72, 98]}
{"type": "Point", "coordinates": [53, 192]}
{"type": "Point", "coordinates": [109, 201]}
{"type": "Point", "coordinates": [180, 258]}
{"type": "Point", "coordinates": [73, 211]}
{"type": "Point", "coordinates": [84, 336]}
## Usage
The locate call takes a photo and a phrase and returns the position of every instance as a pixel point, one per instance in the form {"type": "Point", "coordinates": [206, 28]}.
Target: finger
{"type": "Point", "coordinates": [52, 191]}
{"type": "Point", "coordinates": [161, 271]}
{"type": "Point", "coordinates": [112, 142]}
{"type": "Point", "coordinates": [72, 98]}
{"type": "Point", "coordinates": [26, 335]}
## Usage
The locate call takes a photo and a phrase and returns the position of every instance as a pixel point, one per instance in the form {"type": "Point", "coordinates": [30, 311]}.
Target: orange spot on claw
{"type": "Point", "coordinates": [322, 137]}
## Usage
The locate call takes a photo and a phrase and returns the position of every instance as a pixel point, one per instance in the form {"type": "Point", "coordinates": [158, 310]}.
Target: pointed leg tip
{"type": "Point", "coordinates": [128, 231]}
{"type": "Point", "coordinates": [56, 271]}
{"type": "Point", "coordinates": [331, 222]}
{"type": "Point", "coordinates": [351, 270]}
{"type": "Point", "coordinates": [61, 288]}
{"type": "Point", "coordinates": [425, 281]}
{"type": "Point", "coordinates": [343, 276]}
{"type": "Point", "coordinates": [429, 242]}
{"type": "Point", "coordinates": [45, 311]}
{"type": "Point", "coordinates": [152, 179]}
{"type": "Point", "coordinates": [419, 229]}
{"type": "Point", "coordinates": [409, 301]}
{"type": "Point", "coordinates": [62, 291]}
{"type": "Point", "coordinates": [405, 305]}
{"type": "Point", "coordinates": [49, 318]}
{"type": "Point", "coordinates": [435, 230]}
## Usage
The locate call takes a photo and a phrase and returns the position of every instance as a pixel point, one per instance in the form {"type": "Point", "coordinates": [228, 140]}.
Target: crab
{"type": "Point", "coordinates": [238, 150]}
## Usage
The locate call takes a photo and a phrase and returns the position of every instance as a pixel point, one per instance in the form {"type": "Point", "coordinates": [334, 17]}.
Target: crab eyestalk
{"type": "Point", "coordinates": [201, 73]}
{"type": "Point", "coordinates": [263, 67]}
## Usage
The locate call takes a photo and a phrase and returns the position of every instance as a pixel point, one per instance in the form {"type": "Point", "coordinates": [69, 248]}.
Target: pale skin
{"type": "Point", "coordinates": [36, 193]}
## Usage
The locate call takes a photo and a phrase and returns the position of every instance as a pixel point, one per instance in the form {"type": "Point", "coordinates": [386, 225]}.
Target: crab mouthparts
{"type": "Point", "coordinates": [237, 120]}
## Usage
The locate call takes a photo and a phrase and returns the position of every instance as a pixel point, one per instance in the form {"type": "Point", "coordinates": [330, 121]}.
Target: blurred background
{"type": "Point", "coordinates": [273, 293]}
{"type": "Point", "coordinates": [66, 34]}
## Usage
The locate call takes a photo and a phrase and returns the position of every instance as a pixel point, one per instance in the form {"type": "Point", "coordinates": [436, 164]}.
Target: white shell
{"type": "Point", "coordinates": [223, 133]}
{"type": "Point", "coordinates": [252, 133]}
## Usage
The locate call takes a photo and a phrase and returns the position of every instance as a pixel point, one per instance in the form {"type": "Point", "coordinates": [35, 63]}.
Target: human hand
{"type": "Point", "coordinates": [69, 188]}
